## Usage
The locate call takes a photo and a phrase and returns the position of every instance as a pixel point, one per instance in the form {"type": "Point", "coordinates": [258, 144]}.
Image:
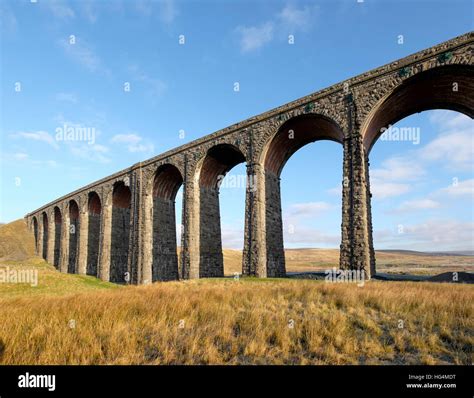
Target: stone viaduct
{"type": "Point", "coordinates": [122, 228]}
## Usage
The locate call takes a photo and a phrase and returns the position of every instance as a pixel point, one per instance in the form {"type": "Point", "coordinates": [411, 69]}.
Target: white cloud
{"type": "Point", "coordinates": [398, 169]}
{"type": "Point", "coordinates": [89, 11]}
{"type": "Point", "coordinates": [460, 188]}
{"type": "Point", "coordinates": [417, 204]}
{"type": "Point", "coordinates": [8, 21]}
{"type": "Point", "coordinates": [133, 142]}
{"type": "Point", "coordinates": [430, 235]}
{"type": "Point", "coordinates": [95, 153]}
{"type": "Point", "coordinates": [392, 178]}
{"type": "Point", "coordinates": [383, 190]}
{"type": "Point", "coordinates": [167, 9]}
{"type": "Point", "coordinates": [155, 87]}
{"type": "Point", "coordinates": [288, 21]}
{"type": "Point", "coordinates": [41, 136]}
{"type": "Point", "coordinates": [294, 18]}
{"type": "Point", "coordinates": [300, 236]}
{"type": "Point", "coordinates": [254, 37]}
{"type": "Point", "coordinates": [60, 9]}
{"type": "Point", "coordinates": [455, 150]}
{"type": "Point", "coordinates": [308, 210]}
{"type": "Point", "coordinates": [84, 55]}
{"type": "Point", "coordinates": [454, 146]}
{"type": "Point", "coordinates": [20, 156]}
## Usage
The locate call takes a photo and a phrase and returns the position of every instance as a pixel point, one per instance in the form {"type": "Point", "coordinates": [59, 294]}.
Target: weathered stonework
{"type": "Point", "coordinates": [124, 224]}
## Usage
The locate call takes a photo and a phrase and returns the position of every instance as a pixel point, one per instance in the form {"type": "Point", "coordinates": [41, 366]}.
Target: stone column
{"type": "Point", "coordinates": [146, 240]}
{"type": "Point", "coordinates": [64, 256]}
{"type": "Point", "coordinates": [39, 246]}
{"type": "Point", "coordinates": [356, 245]}
{"type": "Point", "coordinates": [83, 239]}
{"type": "Point", "coordinates": [275, 258]}
{"type": "Point", "coordinates": [51, 238]}
{"type": "Point", "coordinates": [106, 236]}
{"type": "Point", "coordinates": [254, 253]}
{"type": "Point", "coordinates": [190, 232]}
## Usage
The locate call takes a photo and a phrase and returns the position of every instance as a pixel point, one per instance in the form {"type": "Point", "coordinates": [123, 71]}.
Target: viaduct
{"type": "Point", "coordinates": [122, 228]}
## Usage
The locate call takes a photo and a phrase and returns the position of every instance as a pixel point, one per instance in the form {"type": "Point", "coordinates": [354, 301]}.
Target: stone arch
{"type": "Point", "coordinates": [73, 236]}
{"type": "Point", "coordinates": [35, 232]}
{"type": "Point", "coordinates": [210, 171]}
{"type": "Point", "coordinates": [58, 220]}
{"type": "Point", "coordinates": [290, 136]}
{"type": "Point", "coordinates": [296, 133]}
{"type": "Point", "coordinates": [121, 207]}
{"type": "Point", "coordinates": [94, 214]}
{"type": "Point", "coordinates": [44, 249]}
{"type": "Point", "coordinates": [166, 182]}
{"type": "Point", "coordinates": [431, 89]}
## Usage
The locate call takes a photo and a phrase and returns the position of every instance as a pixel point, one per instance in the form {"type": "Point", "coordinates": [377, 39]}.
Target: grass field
{"type": "Point", "coordinates": [73, 319]}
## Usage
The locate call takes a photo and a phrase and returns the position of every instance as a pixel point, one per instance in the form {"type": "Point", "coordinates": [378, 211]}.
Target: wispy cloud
{"type": "Point", "coordinates": [440, 234]}
{"type": "Point", "coordinates": [154, 87]}
{"type": "Point", "coordinates": [289, 20]}
{"type": "Point", "coordinates": [294, 19]}
{"type": "Point", "coordinates": [166, 10]}
{"type": "Point", "coordinates": [309, 209]}
{"type": "Point", "coordinates": [459, 188]}
{"type": "Point", "coordinates": [60, 9]}
{"type": "Point", "coordinates": [96, 153]}
{"type": "Point", "coordinates": [255, 37]}
{"type": "Point", "coordinates": [83, 54]}
{"type": "Point", "coordinates": [416, 205]}
{"type": "Point", "coordinates": [41, 136]}
{"type": "Point", "coordinates": [133, 142]}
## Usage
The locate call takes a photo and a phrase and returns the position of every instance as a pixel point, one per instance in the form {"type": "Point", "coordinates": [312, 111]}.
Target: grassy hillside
{"type": "Point", "coordinates": [73, 319]}
{"type": "Point", "coordinates": [243, 322]}
{"type": "Point", "coordinates": [16, 243]}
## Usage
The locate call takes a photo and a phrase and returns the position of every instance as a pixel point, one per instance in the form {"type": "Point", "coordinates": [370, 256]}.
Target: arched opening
{"type": "Point", "coordinates": [35, 232]}
{"type": "Point", "coordinates": [218, 161]}
{"type": "Point", "coordinates": [121, 206]}
{"type": "Point", "coordinates": [449, 87]}
{"type": "Point", "coordinates": [166, 184]}
{"type": "Point", "coordinates": [57, 236]}
{"type": "Point", "coordinates": [422, 164]}
{"type": "Point", "coordinates": [44, 249]}
{"type": "Point", "coordinates": [292, 135]}
{"type": "Point", "coordinates": [73, 236]}
{"type": "Point", "coordinates": [93, 233]}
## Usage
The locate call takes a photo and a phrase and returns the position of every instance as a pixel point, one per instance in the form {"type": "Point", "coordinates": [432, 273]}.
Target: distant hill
{"type": "Point", "coordinates": [16, 242]}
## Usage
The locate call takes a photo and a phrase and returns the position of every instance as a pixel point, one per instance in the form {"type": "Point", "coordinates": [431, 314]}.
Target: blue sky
{"type": "Point", "coordinates": [70, 62]}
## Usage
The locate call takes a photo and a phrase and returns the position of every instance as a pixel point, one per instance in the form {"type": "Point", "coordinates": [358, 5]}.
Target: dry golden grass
{"type": "Point", "coordinates": [243, 322]}
{"type": "Point", "coordinates": [74, 319]}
